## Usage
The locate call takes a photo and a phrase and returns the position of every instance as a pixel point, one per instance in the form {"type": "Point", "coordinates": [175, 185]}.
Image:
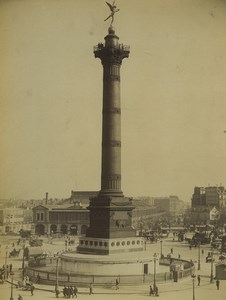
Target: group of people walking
{"type": "Point", "coordinates": [5, 271]}
{"type": "Point", "coordinates": [70, 292]}
{"type": "Point", "coordinates": [154, 291]}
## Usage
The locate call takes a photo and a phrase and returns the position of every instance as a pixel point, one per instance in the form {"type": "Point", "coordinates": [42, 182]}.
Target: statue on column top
{"type": "Point", "coordinates": [113, 9]}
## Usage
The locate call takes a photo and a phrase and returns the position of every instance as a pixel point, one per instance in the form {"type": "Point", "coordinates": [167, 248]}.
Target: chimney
{"type": "Point", "coordinates": [46, 198]}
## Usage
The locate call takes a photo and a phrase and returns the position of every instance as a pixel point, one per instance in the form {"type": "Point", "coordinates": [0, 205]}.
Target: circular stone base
{"type": "Point", "coordinates": [135, 263]}
{"type": "Point", "coordinates": [100, 246]}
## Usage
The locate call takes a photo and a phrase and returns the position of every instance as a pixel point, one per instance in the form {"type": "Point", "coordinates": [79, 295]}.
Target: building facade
{"type": "Point", "coordinates": [205, 202]}
{"type": "Point", "coordinates": [13, 219]}
{"type": "Point", "coordinates": [145, 217]}
{"type": "Point", "coordinates": [172, 205]}
{"type": "Point", "coordinates": [64, 219]}
{"type": "Point", "coordinates": [211, 196]}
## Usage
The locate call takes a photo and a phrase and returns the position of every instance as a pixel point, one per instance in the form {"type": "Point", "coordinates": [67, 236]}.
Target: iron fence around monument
{"type": "Point", "coordinates": [49, 277]}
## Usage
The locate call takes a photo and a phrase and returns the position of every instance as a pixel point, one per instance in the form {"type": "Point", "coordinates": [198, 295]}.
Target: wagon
{"type": "Point", "coordinates": [14, 253]}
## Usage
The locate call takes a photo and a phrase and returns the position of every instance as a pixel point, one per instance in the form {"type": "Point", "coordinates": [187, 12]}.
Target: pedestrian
{"type": "Point", "coordinates": [218, 284]}
{"type": "Point", "coordinates": [75, 291]}
{"type": "Point", "coordinates": [10, 268]}
{"type": "Point", "coordinates": [116, 284]}
{"type": "Point", "coordinates": [38, 278]}
{"type": "Point", "coordinates": [20, 297]}
{"type": "Point", "coordinates": [178, 255]}
{"type": "Point", "coordinates": [65, 291]}
{"type": "Point", "coordinates": [26, 279]}
{"type": "Point", "coordinates": [32, 290]}
{"type": "Point", "coordinates": [90, 289]}
{"type": "Point", "coordinates": [151, 292]}
{"type": "Point", "coordinates": [199, 279]}
{"type": "Point", "coordinates": [202, 251]}
{"type": "Point", "coordinates": [171, 250]}
{"type": "Point", "coordinates": [57, 292]}
{"type": "Point", "coordinates": [69, 292]}
{"type": "Point", "coordinates": [156, 291]}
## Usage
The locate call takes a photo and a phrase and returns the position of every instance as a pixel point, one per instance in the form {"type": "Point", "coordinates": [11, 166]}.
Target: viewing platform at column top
{"type": "Point", "coordinates": [101, 46]}
{"type": "Point", "coordinates": [111, 47]}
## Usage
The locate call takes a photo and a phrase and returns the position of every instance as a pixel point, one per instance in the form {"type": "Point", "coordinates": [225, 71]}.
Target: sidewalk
{"type": "Point", "coordinates": [167, 291]}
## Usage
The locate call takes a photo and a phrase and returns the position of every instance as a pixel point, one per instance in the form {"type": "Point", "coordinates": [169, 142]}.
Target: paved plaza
{"type": "Point", "coordinates": [168, 291]}
{"type": "Point", "coordinates": [183, 289]}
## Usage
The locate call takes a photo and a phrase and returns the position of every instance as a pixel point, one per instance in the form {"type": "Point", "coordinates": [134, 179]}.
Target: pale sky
{"type": "Point", "coordinates": [173, 95]}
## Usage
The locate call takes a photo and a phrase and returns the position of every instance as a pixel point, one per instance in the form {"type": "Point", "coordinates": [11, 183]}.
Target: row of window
{"type": "Point", "coordinates": [63, 216]}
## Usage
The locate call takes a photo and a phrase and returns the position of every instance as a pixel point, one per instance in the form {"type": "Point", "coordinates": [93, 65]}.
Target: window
{"type": "Point", "coordinates": [40, 216]}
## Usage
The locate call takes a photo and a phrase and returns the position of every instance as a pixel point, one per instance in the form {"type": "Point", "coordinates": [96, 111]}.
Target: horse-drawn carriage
{"type": "Point", "coordinates": [24, 286]}
{"type": "Point", "coordinates": [35, 242]}
{"type": "Point", "coordinates": [14, 253]}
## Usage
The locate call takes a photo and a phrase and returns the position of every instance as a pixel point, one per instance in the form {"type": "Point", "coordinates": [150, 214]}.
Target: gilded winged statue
{"type": "Point", "coordinates": [113, 9]}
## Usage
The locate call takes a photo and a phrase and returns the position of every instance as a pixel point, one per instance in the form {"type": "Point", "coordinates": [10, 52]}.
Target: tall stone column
{"type": "Point", "coordinates": [110, 227]}
{"type": "Point", "coordinates": [111, 55]}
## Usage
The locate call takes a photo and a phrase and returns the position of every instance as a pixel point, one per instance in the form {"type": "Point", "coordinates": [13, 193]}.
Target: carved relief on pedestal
{"type": "Point", "coordinates": [120, 223]}
{"type": "Point", "coordinates": [120, 218]}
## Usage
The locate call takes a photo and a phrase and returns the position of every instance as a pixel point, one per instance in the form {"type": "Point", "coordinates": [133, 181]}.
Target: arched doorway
{"type": "Point", "coordinates": [53, 228]}
{"type": "Point", "coordinates": [73, 229]}
{"type": "Point", "coordinates": [39, 229]}
{"type": "Point", "coordinates": [83, 229]}
{"type": "Point", "coordinates": [63, 228]}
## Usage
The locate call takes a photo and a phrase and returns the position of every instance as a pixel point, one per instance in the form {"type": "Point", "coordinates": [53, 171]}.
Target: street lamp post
{"type": "Point", "coordinates": [154, 283]}
{"type": "Point", "coordinates": [57, 278]}
{"type": "Point", "coordinates": [211, 270]}
{"type": "Point", "coordinates": [11, 296]}
{"type": "Point", "coordinates": [6, 256]}
{"type": "Point", "coordinates": [160, 248]}
{"type": "Point", "coordinates": [193, 286]}
{"type": "Point", "coordinates": [23, 263]}
{"type": "Point", "coordinates": [199, 256]}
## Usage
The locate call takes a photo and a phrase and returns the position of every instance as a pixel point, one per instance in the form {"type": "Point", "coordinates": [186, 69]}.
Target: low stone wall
{"type": "Point", "coordinates": [49, 277]}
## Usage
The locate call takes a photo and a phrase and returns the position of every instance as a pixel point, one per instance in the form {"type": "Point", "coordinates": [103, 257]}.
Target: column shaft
{"type": "Point", "coordinates": [111, 130]}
